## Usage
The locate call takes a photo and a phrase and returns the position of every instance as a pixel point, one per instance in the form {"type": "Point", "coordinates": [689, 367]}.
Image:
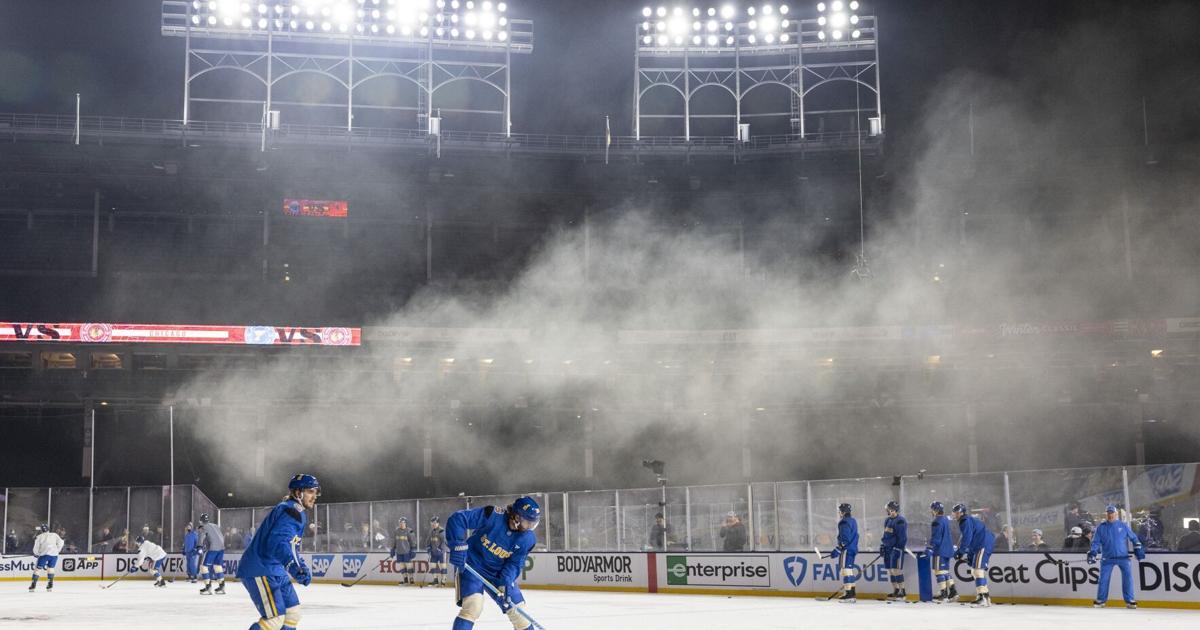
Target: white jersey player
{"type": "Point", "coordinates": [156, 555]}
{"type": "Point", "coordinates": [46, 548]}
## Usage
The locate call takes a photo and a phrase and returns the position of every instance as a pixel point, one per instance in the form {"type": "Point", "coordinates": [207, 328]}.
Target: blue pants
{"type": "Point", "coordinates": [893, 561]}
{"type": "Point", "coordinates": [466, 584]}
{"type": "Point", "coordinates": [272, 594]}
{"type": "Point", "coordinates": [847, 568]}
{"type": "Point", "coordinates": [193, 564]}
{"type": "Point", "coordinates": [940, 565]}
{"type": "Point", "coordinates": [979, 567]}
{"type": "Point", "coordinates": [1106, 567]}
{"type": "Point", "coordinates": [215, 559]}
{"type": "Point", "coordinates": [47, 562]}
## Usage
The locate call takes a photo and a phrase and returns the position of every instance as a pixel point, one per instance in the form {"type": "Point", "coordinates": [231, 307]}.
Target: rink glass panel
{"type": "Point", "coordinates": [982, 493]}
{"type": "Point", "coordinates": [146, 507]}
{"type": "Point", "coordinates": [637, 511]}
{"type": "Point", "coordinates": [179, 514]}
{"type": "Point", "coordinates": [1040, 499]}
{"type": "Point", "coordinates": [69, 517]}
{"type": "Point", "coordinates": [349, 528]}
{"type": "Point", "coordinates": [1167, 494]}
{"type": "Point", "coordinates": [110, 519]}
{"type": "Point", "coordinates": [27, 509]}
{"type": "Point", "coordinates": [791, 510]}
{"type": "Point", "coordinates": [441, 508]}
{"type": "Point", "coordinates": [866, 497]}
{"type": "Point", "coordinates": [707, 509]}
{"type": "Point", "coordinates": [592, 521]}
{"type": "Point", "coordinates": [385, 518]}
{"type": "Point", "coordinates": [241, 519]}
{"type": "Point", "coordinates": [763, 515]}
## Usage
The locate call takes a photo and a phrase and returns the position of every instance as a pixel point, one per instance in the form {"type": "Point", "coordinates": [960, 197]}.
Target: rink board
{"type": "Point", "coordinates": [1163, 579]}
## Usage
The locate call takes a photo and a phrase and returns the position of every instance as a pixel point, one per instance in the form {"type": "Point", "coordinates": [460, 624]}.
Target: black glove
{"type": "Point", "coordinates": [300, 573]}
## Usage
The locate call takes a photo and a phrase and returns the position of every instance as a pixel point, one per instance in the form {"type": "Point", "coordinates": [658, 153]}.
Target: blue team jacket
{"type": "Point", "coordinates": [848, 535]}
{"type": "Point", "coordinates": [895, 532]}
{"type": "Point", "coordinates": [940, 542]}
{"type": "Point", "coordinates": [496, 551]}
{"type": "Point", "coordinates": [276, 543]}
{"type": "Point", "coordinates": [974, 536]}
{"type": "Point", "coordinates": [190, 540]}
{"type": "Point", "coordinates": [1110, 540]}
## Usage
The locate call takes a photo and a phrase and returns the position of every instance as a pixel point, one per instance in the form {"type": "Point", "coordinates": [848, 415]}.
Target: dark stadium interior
{"type": "Point", "coordinates": [1072, 210]}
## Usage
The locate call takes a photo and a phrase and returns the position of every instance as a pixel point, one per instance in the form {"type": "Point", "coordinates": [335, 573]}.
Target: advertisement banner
{"type": "Point", "coordinates": [25, 332]}
{"type": "Point", "coordinates": [722, 571]}
{"type": "Point", "coordinates": [616, 570]}
{"type": "Point", "coordinates": [70, 566]}
{"type": "Point", "coordinates": [316, 208]}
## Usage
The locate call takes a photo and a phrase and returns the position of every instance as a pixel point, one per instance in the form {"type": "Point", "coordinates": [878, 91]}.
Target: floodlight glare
{"type": "Point", "coordinates": [645, 26]}
{"type": "Point", "coordinates": [821, 20]}
{"type": "Point", "coordinates": [853, 5]}
{"type": "Point", "coordinates": [783, 38]}
{"type": "Point", "coordinates": [646, 12]}
{"type": "Point", "coordinates": [821, 7]}
{"type": "Point", "coordinates": [661, 26]}
{"type": "Point", "coordinates": [727, 11]}
{"type": "Point", "coordinates": [768, 23]}
{"type": "Point", "coordinates": [678, 26]}
{"type": "Point", "coordinates": [837, 34]}
{"type": "Point", "coordinates": [729, 41]}
{"type": "Point", "coordinates": [662, 12]}
{"type": "Point", "coordinates": [769, 38]}
{"type": "Point", "coordinates": [678, 41]}
{"type": "Point", "coordinates": [245, 22]}
{"type": "Point", "coordinates": [454, 32]}
{"type": "Point", "coordinates": [502, 7]}
{"type": "Point", "coordinates": [711, 26]}
{"type": "Point", "coordinates": [645, 40]}
{"type": "Point", "coordinates": [753, 25]}
{"type": "Point", "coordinates": [783, 9]}
{"type": "Point", "coordinates": [729, 26]}
{"type": "Point", "coordinates": [711, 11]}
{"type": "Point", "coordinates": [821, 35]}
{"type": "Point", "coordinates": [856, 34]}
{"type": "Point", "coordinates": [695, 12]}
{"type": "Point", "coordinates": [262, 8]}
{"type": "Point", "coordinates": [696, 40]}
{"type": "Point", "coordinates": [677, 12]}
{"type": "Point", "coordinates": [783, 24]}
{"type": "Point", "coordinates": [837, 20]}
{"type": "Point", "coordinates": [470, 19]}
{"type": "Point", "coordinates": [712, 40]}
{"type": "Point", "coordinates": [663, 40]}
{"type": "Point", "coordinates": [695, 26]}
{"type": "Point", "coordinates": [750, 11]}
{"type": "Point", "coordinates": [502, 36]}
{"type": "Point", "coordinates": [470, 34]}
{"type": "Point", "coordinates": [750, 39]}
{"type": "Point", "coordinates": [767, 9]}
{"type": "Point", "coordinates": [854, 19]}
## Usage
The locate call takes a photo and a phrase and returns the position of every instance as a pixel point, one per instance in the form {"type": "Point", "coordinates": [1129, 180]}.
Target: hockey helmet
{"type": "Point", "coordinates": [844, 509]}
{"type": "Point", "coordinates": [304, 482]}
{"type": "Point", "coordinates": [435, 520]}
{"type": "Point", "coordinates": [43, 527]}
{"type": "Point", "coordinates": [527, 511]}
{"type": "Point", "coordinates": [960, 508]}
{"type": "Point", "coordinates": [937, 508]}
{"type": "Point", "coordinates": [140, 539]}
{"type": "Point", "coordinates": [204, 517]}
{"type": "Point", "coordinates": [892, 506]}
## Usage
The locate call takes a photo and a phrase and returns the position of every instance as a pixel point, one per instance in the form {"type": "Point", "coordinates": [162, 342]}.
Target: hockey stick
{"type": "Point", "coordinates": [119, 578]}
{"type": "Point", "coordinates": [1057, 561]}
{"type": "Point", "coordinates": [843, 586]}
{"type": "Point", "coordinates": [488, 585]}
{"type": "Point", "coordinates": [364, 576]}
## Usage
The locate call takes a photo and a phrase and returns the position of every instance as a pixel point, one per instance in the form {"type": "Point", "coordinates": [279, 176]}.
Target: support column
{"type": "Point", "coordinates": [1128, 244]}
{"type": "Point", "coordinates": [588, 453]}
{"type": "Point", "coordinates": [972, 446]}
{"type": "Point", "coordinates": [95, 233]}
{"type": "Point", "coordinates": [687, 97]}
{"type": "Point", "coordinates": [427, 450]}
{"type": "Point", "coordinates": [428, 243]}
{"type": "Point", "coordinates": [1139, 434]}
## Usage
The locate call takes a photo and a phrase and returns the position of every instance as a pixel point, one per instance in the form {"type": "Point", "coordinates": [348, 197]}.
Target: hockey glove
{"type": "Point", "coordinates": [1091, 557]}
{"type": "Point", "coordinates": [458, 556]}
{"type": "Point", "coordinates": [300, 573]}
{"type": "Point", "coordinates": [1140, 552]}
{"type": "Point", "coordinates": [837, 551]}
{"type": "Point", "coordinates": [959, 555]}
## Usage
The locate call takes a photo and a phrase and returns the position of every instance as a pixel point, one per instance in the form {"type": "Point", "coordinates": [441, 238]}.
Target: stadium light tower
{"type": "Point", "coordinates": [739, 49]}
{"type": "Point", "coordinates": [430, 43]}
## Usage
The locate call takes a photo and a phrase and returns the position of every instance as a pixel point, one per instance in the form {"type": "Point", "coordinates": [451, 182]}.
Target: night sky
{"type": "Point", "coordinates": [1099, 56]}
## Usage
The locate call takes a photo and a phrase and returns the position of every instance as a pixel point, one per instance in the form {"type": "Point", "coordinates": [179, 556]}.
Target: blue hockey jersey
{"type": "Point", "coordinates": [847, 539]}
{"type": "Point", "coordinates": [276, 543]}
{"type": "Point", "coordinates": [895, 532]}
{"type": "Point", "coordinates": [940, 542]}
{"type": "Point", "coordinates": [1110, 540]}
{"type": "Point", "coordinates": [495, 551]}
{"type": "Point", "coordinates": [974, 536]}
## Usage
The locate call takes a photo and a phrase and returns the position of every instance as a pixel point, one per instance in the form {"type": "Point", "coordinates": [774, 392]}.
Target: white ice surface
{"type": "Point", "coordinates": [83, 604]}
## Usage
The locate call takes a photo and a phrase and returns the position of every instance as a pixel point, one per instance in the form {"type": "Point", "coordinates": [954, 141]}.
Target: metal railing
{"type": "Point", "coordinates": [796, 515]}
{"type": "Point", "coordinates": [92, 128]}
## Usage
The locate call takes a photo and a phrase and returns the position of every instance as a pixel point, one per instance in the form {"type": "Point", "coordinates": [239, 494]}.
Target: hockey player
{"type": "Point", "coordinates": [975, 545]}
{"type": "Point", "coordinates": [846, 550]}
{"type": "Point", "coordinates": [46, 548]}
{"type": "Point", "coordinates": [435, 544]}
{"type": "Point", "coordinates": [891, 547]}
{"type": "Point", "coordinates": [212, 547]}
{"type": "Point", "coordinates": [148, 550]}
{"type": "Point", "coordinates": [940, 549]}
{"type": "Point", "coordinates": [496, 549]}
{"type": "Point", "coordinates": [191, 553]}
{"type": "Point", "coordinates": [1111, 544]}
{"type": "Point", "coordinates": [272, 559]}
{"type": "Point", "coordinates": [404, 550]}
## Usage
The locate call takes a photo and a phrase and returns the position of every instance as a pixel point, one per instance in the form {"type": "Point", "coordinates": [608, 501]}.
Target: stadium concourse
{"type": "Point", "coordinates": [136, 604]}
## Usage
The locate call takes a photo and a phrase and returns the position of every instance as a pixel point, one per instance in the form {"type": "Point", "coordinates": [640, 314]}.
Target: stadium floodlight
{"type": "Point", "coordinates": [661, 12]}
{"type": "Point", "coordinates": [646, 12]}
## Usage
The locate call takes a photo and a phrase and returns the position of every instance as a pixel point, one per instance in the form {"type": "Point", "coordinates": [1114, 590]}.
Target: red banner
{"type": "Point", "coordinates": [25, 332]}
{"type": "Point", "coordinates": [314, 208]}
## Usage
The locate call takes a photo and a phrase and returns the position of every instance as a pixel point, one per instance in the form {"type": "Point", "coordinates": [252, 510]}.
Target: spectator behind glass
{"type": "Point", "coordinates": [11, 542]}
{"type": "Point", "coordinates": [1151, 531]}
{"type": "Point", "coordinates": [1072, 540]}
{"type": "Point", "coordinates": [1191, 540]}
{"type": "Point", "coordinates": [1036, 543]}
{"type": "Point", "coordinates": [734, 533]}
{"type": "Point", "coordinates": [660, 533]}
{"type": "Point", "coordinates": [1002, 540]}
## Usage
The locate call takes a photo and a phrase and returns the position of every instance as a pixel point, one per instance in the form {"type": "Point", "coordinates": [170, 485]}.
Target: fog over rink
{"type": "Point", "coordinates": [327, 606]}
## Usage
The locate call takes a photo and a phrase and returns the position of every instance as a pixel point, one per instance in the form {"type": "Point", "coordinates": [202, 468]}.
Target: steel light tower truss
{"type": "Point", "coordinates": [430, 43]}
{"type": "Point", "coordinates": [689, 49]}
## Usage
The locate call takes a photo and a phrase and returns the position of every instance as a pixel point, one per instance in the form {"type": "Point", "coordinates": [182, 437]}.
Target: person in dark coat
{"type": "Point", "coordinates": [1191, 540]}
{"type": "Point", "coordinates": [733, 532]}
{"type": "Point", "coordinates": [660, 533]}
